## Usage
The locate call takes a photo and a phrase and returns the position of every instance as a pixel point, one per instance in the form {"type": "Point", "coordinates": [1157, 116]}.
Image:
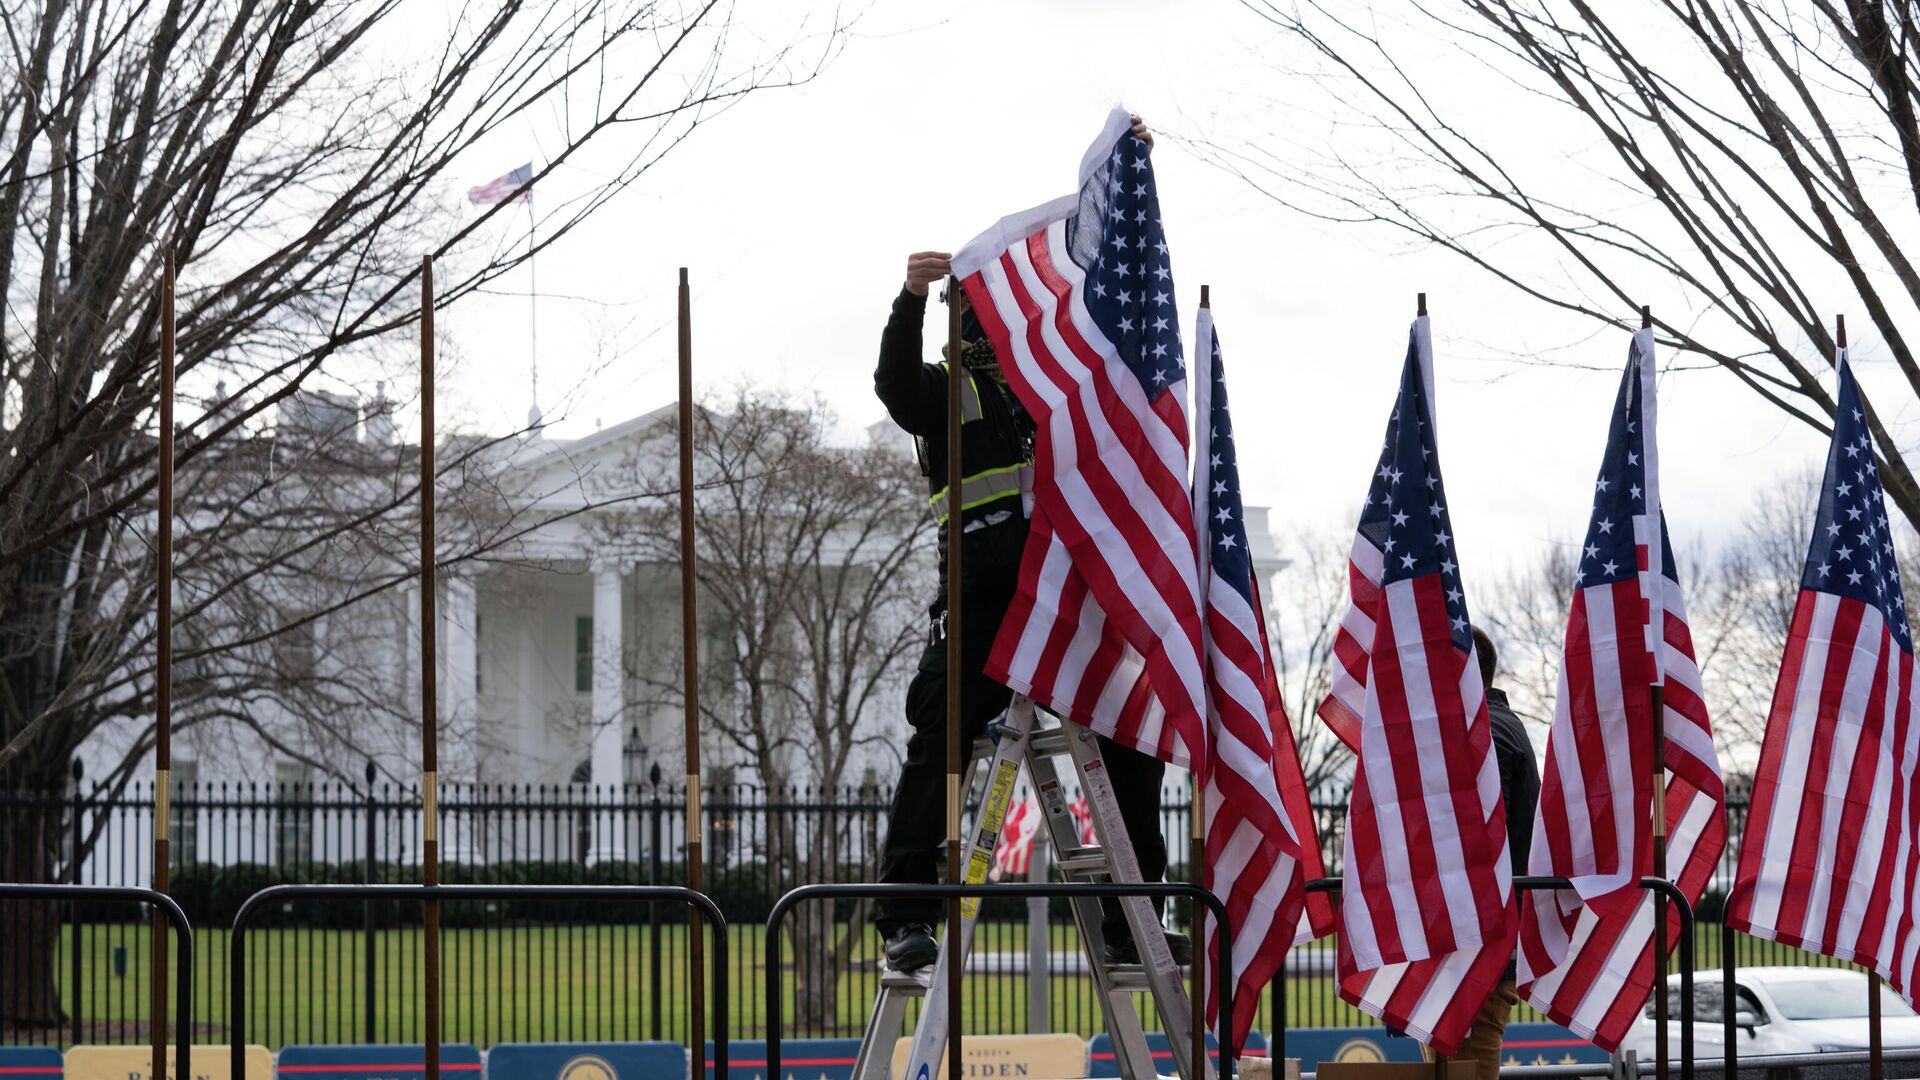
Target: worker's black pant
{"type": "Point", "coordinates": [917, 821]}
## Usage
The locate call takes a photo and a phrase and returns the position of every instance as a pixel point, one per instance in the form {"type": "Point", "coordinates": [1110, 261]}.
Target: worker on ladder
{"type": "Point", "coordinates": [996, 446]}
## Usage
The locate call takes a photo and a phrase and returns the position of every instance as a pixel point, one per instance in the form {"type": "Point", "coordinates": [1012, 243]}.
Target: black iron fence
{"type": "Point", "coordinates": [516, 972]}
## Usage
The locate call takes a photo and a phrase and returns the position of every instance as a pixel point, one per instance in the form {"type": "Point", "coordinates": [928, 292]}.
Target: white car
{"type": "Point", "coordinates": [1779, 1010]}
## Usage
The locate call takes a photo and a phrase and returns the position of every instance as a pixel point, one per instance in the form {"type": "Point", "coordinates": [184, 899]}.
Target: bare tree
{"type": "Point", "coordinates": [297, 158]}
{"type": "Point", "coordinates": [814, 568]}
{"type": "Point", "coordinates": [1761, 156]}
{"type": "Point", "coordinates": [1309, 598]}
{"type": "Point", "coordinates": [1524, 611]}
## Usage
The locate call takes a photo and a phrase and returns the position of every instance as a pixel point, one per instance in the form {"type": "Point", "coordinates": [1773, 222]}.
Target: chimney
{"type": "Point", "coordinates": [379, 422]}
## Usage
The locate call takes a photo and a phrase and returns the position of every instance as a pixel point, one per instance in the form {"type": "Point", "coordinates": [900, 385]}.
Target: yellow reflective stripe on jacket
{"type": "Point", "coordinates": [980, 489]}
{"type": "Point", "coordinates": [969, 399]}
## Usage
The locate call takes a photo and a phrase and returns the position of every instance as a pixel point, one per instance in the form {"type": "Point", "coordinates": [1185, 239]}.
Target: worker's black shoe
{"type": "Point", "coordinates": [911, 947]}
{"type": "Point", "coordinates": [1121, 949]}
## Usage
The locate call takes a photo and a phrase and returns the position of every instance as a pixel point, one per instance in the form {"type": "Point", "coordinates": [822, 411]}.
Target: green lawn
{"type": "Point", "coordinates": [564, 983]}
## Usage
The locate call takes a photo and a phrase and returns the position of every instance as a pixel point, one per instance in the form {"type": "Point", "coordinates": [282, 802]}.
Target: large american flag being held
{"type": "Point", "coordinates": [1261, 844]}
{"type": "Point", "coordinates": [1586, 953]}
{"type": "Point", "coordinates": [1077, 298]}
{"type": "Point", "coordinates": [1827, 859]}
{"type": "Point", "coordinates": [1427, 893]}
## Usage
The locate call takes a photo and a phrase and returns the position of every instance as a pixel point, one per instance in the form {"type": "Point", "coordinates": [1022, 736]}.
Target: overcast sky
{"type": "Point", "coordinates": [795, 211]}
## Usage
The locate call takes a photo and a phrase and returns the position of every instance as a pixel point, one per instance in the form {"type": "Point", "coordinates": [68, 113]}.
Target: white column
{"type": "Point", "coordinates": [609, 702]}
{"type": "Point", "coordinates": [531, 676]}
{"type": "Point", "coordinates": [459, 704]}
{"type": "Point", "coordinates": [459, 711]}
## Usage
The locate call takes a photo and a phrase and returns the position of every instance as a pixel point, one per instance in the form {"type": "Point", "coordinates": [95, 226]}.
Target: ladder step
{"type": "Point", "coordinates": [1050, 741]}
{"type": "Point", "coordinates": [1083, 861]}
{"type": "Point", "coordinates": [1129, 977]}
{"type": "Point", "coordinates": [907, 983]}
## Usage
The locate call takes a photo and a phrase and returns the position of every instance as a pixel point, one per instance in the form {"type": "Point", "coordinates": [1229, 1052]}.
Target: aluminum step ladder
{"type": "Point", "coordinates": [1010, 743]}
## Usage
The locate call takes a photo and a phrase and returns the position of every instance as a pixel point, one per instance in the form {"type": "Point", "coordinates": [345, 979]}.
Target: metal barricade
{"type": "Point", "coordinates": [1153, 890]}
{"type": "Point", "coordinates": [1674, 896]}
{"type": "Point", "coordinates": [423, 893]}
{"type": "Point", "coordinates": [182, 935]}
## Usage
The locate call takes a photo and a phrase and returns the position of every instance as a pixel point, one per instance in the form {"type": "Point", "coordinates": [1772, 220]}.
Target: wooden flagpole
{"type": "Point", "coordinates": [1657, 699]}
{"type": "Point", "coordinates": [690, 673]}
{"type": "Point", "coordinates": [162, 678]}
{"type": "Point", "coordinates": [1876, 1061]}
{"type": "Point", "coordinates": [1439, 1060]}
{"type": "Point", "coordinates": [956, 371]}
{"type": "Point", "coordinates": [1196, 849]}
{"type": "Point", "coordinates": [429, 688]}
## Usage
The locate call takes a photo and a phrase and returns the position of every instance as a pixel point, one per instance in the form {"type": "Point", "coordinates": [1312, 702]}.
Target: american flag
{"type": "Point", "coordinates": [1827, 860]}
{"type": "Point", "coordinates": [1014, 855]}
{"type": "Point", "coordinates": [1426, 901]}
{"type": "Point", "coordinates": [1077, 298]}
{"type": "Point", "coordinates": [511, 187]}
{"type": "Point", "coordinates": [1586, 953]}
{"type": "Point", "coordinates": [1083, 817]}
{"type": "Point", "coordinates": [1258, 855]}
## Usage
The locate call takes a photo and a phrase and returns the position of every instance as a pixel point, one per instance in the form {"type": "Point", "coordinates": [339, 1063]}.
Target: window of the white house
{"type": "Point", "coordinates": [293, 812]}
{"type": "Point", "coordinates": [183, 832]}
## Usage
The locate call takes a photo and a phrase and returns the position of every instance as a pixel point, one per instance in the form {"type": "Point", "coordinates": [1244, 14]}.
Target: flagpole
{"type": "Point", "coordinates": [533, 308]}
{"type": "Point", "coordinates": [690, 673]}
{"type": "Point", "coordinates": [163, 676]}
{"type": "Point", "coordinates": [1420, 312]}
{"type": "Point", "coordinates": [1657, 699]}
{"type": "Point", "coordinates": [1876, 1062]}
{"type": "Point", "coordinates": [429, 688]}
{"type": "Point", "coordinates": [1195, 849]}
{"type": "Point", "coordinates": [955, 372]}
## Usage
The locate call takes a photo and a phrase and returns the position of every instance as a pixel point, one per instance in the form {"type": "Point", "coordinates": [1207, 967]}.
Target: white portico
{"type": "Point", "coordinates": [560, 644]}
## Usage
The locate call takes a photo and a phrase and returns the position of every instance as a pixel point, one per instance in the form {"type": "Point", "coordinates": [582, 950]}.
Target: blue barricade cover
{"type": "Point", "coordinates": [1315, 1045]}
{"type": "Point", "coordinates": [586, 1061]}
{"type": "Point", "coordinates": [800, 1059]}
{"type": "Point", "coordinates": [398, 1061]}
{"type": "Point", "coordinates": [1523, 1044]}
{"type": "Point", "coordinates": [30, 1063]}
{"type": "Point", "coordinates": [1102, 1062]}
{"type": "Point", "coordinates": [1547, 1044]}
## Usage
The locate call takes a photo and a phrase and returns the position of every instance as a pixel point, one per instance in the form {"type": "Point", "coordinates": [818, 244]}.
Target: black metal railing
{"type": "Point", "coordinates": [182, 958]}
{"type": "Point", "coordinates": [1158, 890]}
{"type": "Point", "coordinates": [650, 895]}
{"type": "Point", "coordinates": [350, 973]}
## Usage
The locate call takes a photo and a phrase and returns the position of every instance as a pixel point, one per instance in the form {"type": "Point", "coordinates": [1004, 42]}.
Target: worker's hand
{"type": "Point", "coordinates": [1140, 131]}
{"type": "Point", "coordinates": [926, 267]}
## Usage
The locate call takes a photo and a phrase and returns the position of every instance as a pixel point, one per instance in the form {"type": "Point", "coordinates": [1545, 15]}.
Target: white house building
{"type": "Point", "coordinates": [548, 644]}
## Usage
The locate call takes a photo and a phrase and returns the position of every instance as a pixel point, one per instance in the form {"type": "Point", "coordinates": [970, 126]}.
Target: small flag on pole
{"type": "Point", "coordinates": [1827, 860]}
{"type": "Point", "coordinates": [510, 187]}
{"type": "Point", "coordinates": [1014, 854]}
{"type": "Point", "coordinates": [1261, 846]}
{"type": "Point", "coordinates": [1427, 905]}
{"type": "Point", "coordinates": [1586, 953]}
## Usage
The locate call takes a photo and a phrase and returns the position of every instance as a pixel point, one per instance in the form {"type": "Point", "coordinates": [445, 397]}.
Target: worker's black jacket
{"type": "Point", "coordinates": [996, 441]}
{"type": "Point", "coordinates": [1519, 781]}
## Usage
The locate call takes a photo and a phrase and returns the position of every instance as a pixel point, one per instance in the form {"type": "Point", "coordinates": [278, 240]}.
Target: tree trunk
{"type": "Point", "coordinates": [30, 931]}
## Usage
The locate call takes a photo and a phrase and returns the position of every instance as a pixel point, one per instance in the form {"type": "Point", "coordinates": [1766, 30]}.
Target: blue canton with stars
{"type": "Point", "coordinates": [1852, 550]}
{"type": "Point", "coordinates": [1610, 552]}
{"type": "Point", "coordinates": [1405, 514]}
{"type": "Point", "coordinates": [1226, 519]}
{"type": "Point", "coordinates": [1116, 239]}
